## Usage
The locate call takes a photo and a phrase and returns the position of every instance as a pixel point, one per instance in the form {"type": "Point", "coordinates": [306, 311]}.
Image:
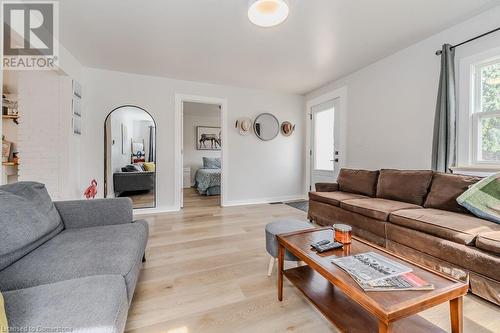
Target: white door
{"type": "Point", "coordinates": [324, 141]}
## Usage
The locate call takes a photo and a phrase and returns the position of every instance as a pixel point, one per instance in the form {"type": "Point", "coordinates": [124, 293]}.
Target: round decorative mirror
{"type": "Point", "coordinates": [266, 126]}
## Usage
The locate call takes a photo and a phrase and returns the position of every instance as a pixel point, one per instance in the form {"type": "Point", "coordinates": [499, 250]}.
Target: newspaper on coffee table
{"type": "Point", "coordinates": [370, 267]}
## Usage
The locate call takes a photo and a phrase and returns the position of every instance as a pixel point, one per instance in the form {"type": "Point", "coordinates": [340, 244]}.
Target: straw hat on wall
{"type": "Point", "coordinates": [244, 125]}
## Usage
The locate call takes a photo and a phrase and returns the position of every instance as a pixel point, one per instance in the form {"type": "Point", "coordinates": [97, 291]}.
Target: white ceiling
{"type": "Point", "coordinates": [213, 40]}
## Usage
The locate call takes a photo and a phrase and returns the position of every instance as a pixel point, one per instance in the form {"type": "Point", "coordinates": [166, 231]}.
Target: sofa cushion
{"type": "Point", "coordinates": [489, 241]}
{"type": "Point", "coordinates": [333, 198]}
{"type": "Point", "coordinates": [326, 187]}
{"type": "Point", "coordinates": [28, 218]}
{"type": "Point", "coordinates": [96, 304]}
{"type": "Point", "coordinates": [465, 256]}
{"type": "Point", "coordinates": [446, 188]}
{"type": "Point", "coordinates": [456, 227]}
{"type": "Point", "coordinates": [75, 253]}
{"type": "Point", "coordinates": [375, 208]}
{"type": "Point", "coordinates": [404, 185]}
{"type": "Point", "coordinates": [358, 181]}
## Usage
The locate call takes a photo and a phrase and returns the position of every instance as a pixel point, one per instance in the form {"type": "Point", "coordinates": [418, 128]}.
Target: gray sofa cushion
{"type": "Point", "coordinates": [75, 253]}
{"type": "Point", "coordinates": [28, 219]}
{"type": "Point", "coordinates": [96, 304]}
{"type": "Point", "coordinates": [93, 213]}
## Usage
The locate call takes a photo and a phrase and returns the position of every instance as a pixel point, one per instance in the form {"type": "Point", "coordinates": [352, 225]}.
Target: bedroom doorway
{"type": "Point", "coordinates": [130, 156]}
{"type": "Point", "coordinates": [202, 143]}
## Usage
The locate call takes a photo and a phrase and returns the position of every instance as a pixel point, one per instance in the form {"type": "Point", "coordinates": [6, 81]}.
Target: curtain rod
{"type": "Point", "coordinates": [438, 52]}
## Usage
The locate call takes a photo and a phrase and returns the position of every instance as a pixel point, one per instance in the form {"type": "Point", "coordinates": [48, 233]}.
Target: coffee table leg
{"type": "Point", "coordinates": [384, 328]}
{"type": "Point", "coordinates": [456, 315]}
{"type": "Point", "coordinates": [281, 259]}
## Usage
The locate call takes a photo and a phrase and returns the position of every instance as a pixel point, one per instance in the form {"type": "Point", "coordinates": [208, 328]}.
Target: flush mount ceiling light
{"type": "Point", "coordinates": [267, 13]}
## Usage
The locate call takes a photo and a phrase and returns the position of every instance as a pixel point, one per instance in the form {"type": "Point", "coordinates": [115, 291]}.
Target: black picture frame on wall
{"type": "Point", "coordinates": [208, 138]}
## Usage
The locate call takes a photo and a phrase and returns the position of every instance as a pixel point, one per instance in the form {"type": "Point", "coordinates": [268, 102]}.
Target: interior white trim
{"type": "Point", "coordinates": [340, 93]}
{"type": "Point", "coordinates": [465, 124]}
{"type": "Point", "coordinates": [179, 100]}
{"type": "Point", "coordinates": [142, 212]}
{"type": "Point", "coordinates": [264, 200]}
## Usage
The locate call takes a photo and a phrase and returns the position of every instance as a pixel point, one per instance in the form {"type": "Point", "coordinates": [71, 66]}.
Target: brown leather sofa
{"type": "Point", "coordinates": [415, 214]}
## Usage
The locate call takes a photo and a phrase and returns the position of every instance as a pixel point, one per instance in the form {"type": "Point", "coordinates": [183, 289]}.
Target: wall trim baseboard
{"type": "Point", "coordinates": [259, 201]}
{"type": "Point", "coordinates": [144, 212]}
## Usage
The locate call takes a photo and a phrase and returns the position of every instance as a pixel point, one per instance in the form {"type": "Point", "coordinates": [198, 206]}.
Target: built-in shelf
{"type": "Point", "coordinates": [10, 164]}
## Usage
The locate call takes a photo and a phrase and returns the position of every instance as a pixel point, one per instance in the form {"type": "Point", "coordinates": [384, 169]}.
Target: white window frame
{"type": "Point", "coordinates": [478, 115]}
{"type": "Point", "coordinates": [469, 103]}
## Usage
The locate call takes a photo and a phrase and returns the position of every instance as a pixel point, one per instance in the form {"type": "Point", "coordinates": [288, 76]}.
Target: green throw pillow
{"type": "Point", "coordinates": [483, 198]}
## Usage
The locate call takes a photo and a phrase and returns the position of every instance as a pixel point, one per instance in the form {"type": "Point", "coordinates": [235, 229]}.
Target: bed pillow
{"type": "Point", "coordinates": [132, 168]}
{"type": "Point", "coordinates": [149, 166]}
{"type": "Point", "coordinates": [211, 162]}
{"type": "Point", "coordinates": [483, 198]}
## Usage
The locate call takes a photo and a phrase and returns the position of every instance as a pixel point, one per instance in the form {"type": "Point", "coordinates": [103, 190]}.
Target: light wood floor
{"type": "Point", "coordinates": [206, 273]}
{"type": "Point", "coordinates": [141, 199]}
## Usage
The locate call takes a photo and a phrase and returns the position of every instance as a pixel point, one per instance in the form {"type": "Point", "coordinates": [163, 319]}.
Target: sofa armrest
{"type": "Point", "coordinates": [327, 187]}
{"type": "Point", "coordinates": [97, 212]}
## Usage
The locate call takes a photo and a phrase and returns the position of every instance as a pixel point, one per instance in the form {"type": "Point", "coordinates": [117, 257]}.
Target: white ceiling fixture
{"type": "Point", "coordinates": [267, 13]}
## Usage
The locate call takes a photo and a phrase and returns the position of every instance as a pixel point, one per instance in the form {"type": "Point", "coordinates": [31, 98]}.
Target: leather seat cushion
{"type": "Point", "coordinates": [489, 241]}
{"type": "Point", "coordinates": [334, 198]}
{"type": "Point", "coordinates": [456, 227]}
{"type": "Point", "coordinates": [376, 208]}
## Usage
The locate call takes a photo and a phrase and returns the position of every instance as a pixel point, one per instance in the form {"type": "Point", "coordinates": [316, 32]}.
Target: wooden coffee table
{"type": "Point", "coordinates": [351, 309]}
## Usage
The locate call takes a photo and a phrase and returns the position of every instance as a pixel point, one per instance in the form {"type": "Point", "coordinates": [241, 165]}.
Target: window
{"type": "Point", "coordinates": [323, 127]}
{"type": "Point", "coordinates": [486, 113]}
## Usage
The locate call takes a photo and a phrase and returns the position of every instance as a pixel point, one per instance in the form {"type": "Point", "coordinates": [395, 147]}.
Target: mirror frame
{"type": "Point", "coordinates": [255, 127]}
{"type": "Point", "coordinates": [106, 180]}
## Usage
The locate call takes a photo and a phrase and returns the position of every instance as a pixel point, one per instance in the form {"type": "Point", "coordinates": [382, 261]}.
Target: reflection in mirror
{"type": "Point", "coordinates": [266, 126]}
{"type": "Point", "coordinates": [130, 166]}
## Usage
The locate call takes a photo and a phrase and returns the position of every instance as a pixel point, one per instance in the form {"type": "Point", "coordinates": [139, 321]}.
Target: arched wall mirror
{"type": "Point", "coordinates": [266, 126]}
{"type": "Point", "coordinates": [130, 156]}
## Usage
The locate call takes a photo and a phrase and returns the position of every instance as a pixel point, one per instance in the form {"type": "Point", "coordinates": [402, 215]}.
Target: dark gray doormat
{"type": "Point", "coordinates": [302, 205]}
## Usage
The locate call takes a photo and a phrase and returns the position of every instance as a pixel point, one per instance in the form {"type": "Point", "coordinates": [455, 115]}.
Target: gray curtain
{"type": "Point", "coordinates": [444, 141]}
{"type": "Point", "coordinates": [152, 148]}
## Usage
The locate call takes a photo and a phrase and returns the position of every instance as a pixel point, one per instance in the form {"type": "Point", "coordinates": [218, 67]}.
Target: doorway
{"type": "Point", "coordinates": [214, 102]}
{"type": "Point", "coordinates": [324, 152]}
{"type": "Point", "coordinates": [202, 143]}
{"type": "Point", "coordinates": [130, 156]}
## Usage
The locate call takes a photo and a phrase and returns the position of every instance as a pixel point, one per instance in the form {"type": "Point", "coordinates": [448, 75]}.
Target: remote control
{"type": "Point", "coordinates": [323, 242]}
{"type": "Point", "coordinates": [328, 247]}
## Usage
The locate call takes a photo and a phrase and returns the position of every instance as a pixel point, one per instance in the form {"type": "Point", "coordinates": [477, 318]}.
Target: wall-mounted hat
{"type": "Point", "coordinates": [244, 125]}
{"type": "Point", "coordinates": [287, 128]}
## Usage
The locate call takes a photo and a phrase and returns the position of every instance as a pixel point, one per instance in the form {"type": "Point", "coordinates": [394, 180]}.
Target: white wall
{"type": "Point", "coordinates": [282, 159]}
{"type": "Point", "coordinates": [193, 158]}
{"type": "Point", "coordinates": [120, 158]}
{"type": "Point", "coordinates": [391, 103]}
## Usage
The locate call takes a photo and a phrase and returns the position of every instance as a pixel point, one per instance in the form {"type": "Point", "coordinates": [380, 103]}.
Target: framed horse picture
{"type": "Point", "coordinates": [208, 138]}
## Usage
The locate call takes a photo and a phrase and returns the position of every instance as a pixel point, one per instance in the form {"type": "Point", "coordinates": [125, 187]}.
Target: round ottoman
{"type": "Point", "coordinates": [281, 227]}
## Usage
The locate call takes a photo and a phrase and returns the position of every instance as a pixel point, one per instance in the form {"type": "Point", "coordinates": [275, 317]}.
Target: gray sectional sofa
{"type": "Point", "coordinates": [67, 266]}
